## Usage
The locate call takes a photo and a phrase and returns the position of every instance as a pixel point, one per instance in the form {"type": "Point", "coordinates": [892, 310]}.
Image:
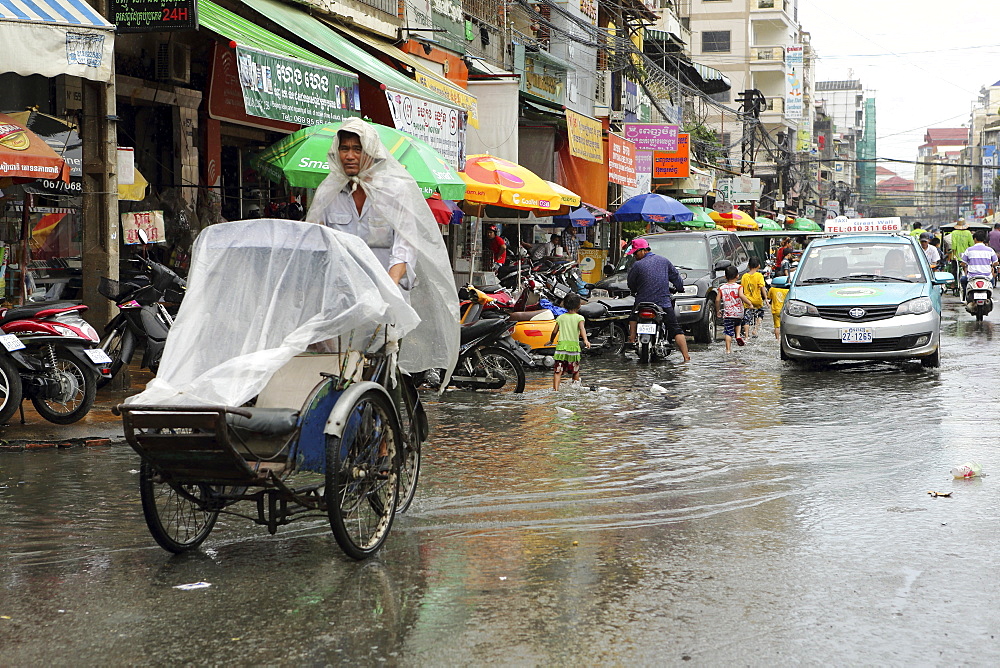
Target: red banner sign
{"type": "Point", "coordinates": [621, 161]}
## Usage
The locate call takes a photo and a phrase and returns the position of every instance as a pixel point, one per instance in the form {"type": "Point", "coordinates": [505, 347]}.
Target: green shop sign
{"type": "Point", "coordinates": [295, 91]}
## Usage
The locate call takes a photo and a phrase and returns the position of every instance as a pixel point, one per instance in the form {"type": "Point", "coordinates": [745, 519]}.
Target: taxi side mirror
{"type": "Point", "coordinates": [609, 269]}
{"type": "Point", "coordinates": [942, 277]}
{"type": "Point", "coordinates": [779, 282]}
{"type": "Point", "coordinates": [722, 265]}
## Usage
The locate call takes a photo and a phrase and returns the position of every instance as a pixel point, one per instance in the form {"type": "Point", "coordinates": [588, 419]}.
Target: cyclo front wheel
{"type": "Point", "coordinates": [175, 514]}
{"type": "Point", "coordinates": [362, 476]}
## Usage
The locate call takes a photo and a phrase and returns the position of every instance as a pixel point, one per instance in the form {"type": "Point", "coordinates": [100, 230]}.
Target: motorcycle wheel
{"type": "Point", "coordinates": [79, 388]}
{"type": "Point", "coordinates": [979, 316]}
{"type": "Point", "coordinates": [10, 389]}
{"type": "Point", "coordinates": [644, 351]}
{"type": "Point", "coordinates": [499, 361]}
{"type": "Point", "coordinates": [615, 341]}
{"type": "Point", "coordinates": [113, 344]}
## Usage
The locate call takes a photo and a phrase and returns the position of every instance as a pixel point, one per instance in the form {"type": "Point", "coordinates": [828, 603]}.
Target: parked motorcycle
{"type": "Point", "coordinates": [606, 321]}
{"type": "Point", "coordinates": [48, 354]}
{"type": "Point", "coordinates": [979, 296]}
{"type": "Point", "coordinates": [653, 339]}
{"type": "Point", "coordinates": [478, 305]}
{"type": "Point", "coordinates": [142, 315]}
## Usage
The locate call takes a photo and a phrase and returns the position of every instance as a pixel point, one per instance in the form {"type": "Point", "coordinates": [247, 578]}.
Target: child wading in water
{"type": "Point", "coordinates": [569, 328]}
{"type": "Point", "coordinates": [731, 303]}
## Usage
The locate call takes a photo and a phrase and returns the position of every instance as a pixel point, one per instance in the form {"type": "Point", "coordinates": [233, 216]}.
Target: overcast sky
{"type": "Point", "coordinates": [924, 61]}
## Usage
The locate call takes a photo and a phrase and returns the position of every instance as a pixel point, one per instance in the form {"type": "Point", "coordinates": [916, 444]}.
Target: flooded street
{"type": "Point", "coordinates": [754, 513]}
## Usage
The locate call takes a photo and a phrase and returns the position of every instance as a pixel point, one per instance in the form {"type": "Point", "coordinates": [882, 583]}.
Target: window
{"type": "Point", "coordinates": [715, 41]}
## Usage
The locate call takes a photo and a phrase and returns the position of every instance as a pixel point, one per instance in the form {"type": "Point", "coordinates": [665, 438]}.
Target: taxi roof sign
{"type": "Point", "coordinates": [844, 225]}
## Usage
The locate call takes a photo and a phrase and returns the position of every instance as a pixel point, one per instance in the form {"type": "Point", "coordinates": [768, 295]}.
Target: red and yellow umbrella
{"type": "Point", "coordinates": [492, 180]}
{"type": "Point", "coordinates": [25, 157]}
{"type": "Point", "coordinates": [734, 220]}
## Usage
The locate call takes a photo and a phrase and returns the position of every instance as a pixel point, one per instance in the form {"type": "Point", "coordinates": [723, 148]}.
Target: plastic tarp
{"type": "Point", "coordinates": [395, 200]}
{"type": "Point", "coordinates": [259, 293]}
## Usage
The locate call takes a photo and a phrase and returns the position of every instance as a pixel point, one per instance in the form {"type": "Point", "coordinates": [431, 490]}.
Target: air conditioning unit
{"type": "Point", "coordinates": [173, 62]}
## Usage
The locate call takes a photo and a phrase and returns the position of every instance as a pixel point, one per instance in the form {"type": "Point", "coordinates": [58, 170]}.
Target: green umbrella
{"type": "Point", "coordinates": [701, 217]}
{"type": "Point", "coordinates": [301, 159]}
{"type": "Point", "coordinates": [768, 224]}
{"type": "Point", "coordinates": [805, 225]}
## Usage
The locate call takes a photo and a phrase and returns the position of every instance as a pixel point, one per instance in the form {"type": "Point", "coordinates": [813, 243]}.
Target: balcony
{"type": "Point", "coordinates": [767, 59]}
{"type": "Point", "coordinates": [772, 11]}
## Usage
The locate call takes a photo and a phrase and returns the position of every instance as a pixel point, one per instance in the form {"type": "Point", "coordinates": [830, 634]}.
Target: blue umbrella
{"type": "Point", "coordinates": [653, 208]}
{"type": "Point", "coordinates": [580, 217]}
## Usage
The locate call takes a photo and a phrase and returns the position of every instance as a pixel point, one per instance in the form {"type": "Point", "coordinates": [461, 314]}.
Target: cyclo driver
{"type": "Point", "coordinates": [649, 279]}
{"type": "Point", "coordinates": [370, 195]}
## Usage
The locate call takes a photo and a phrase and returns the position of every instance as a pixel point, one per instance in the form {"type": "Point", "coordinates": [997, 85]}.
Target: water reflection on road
{"type": "Point", "coordinates": [754, 512]}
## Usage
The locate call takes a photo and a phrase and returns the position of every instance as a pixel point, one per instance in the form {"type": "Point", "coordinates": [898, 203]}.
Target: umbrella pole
{"type": "Point", "coordinates": [472, 249]}
{"type": "Point", "coordinates": [25, 219]}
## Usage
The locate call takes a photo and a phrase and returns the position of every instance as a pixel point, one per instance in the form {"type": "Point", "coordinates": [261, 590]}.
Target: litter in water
{"type": "Point", "coordinates": [937, 494]}
{"type": "Point", "coordinates": [563, 412]}
{"type": "Point", "coordinates": [193, 585]}
{"type": "Point", "coordinates": [657, 389]}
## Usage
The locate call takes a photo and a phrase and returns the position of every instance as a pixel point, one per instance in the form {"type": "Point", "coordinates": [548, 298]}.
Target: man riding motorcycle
{"type": "Point", "coordinates": [649, 279]}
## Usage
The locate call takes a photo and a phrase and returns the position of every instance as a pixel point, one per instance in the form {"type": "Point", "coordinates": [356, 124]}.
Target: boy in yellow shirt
{"type": "Point", "coordinates": [753, 288]}
{"type": "Point", "coordinates": [777, 298]}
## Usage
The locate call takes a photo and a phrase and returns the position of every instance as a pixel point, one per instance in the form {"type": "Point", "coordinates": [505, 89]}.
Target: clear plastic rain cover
{"type": "Point", "coordinates": [261, 292]}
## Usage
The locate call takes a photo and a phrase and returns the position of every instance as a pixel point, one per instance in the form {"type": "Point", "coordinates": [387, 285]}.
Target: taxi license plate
{"type": "Point", "coordinates": [646, 328]}
{"type": "Point", "coordinates": [97, 356]}
{"type": "Point", "coordinates": [857, 335]}
{"type": "Point", "coordinates": [979, 295]}
{"type": "Point", "coordinates": [10, 342]}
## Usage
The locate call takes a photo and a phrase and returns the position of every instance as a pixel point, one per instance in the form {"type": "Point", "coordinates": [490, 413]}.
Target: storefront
{"type": "Point", "coordinates": [56, 58]}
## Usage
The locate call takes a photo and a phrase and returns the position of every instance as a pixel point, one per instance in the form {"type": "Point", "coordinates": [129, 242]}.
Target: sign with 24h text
{"type": "Point", "coordinates": [673, 164]}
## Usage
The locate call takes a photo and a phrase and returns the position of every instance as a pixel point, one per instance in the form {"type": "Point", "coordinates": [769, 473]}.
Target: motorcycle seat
{"type": "Point", "coordinates": [489, 289]}
{"type": "Point", "coordinates": [265, 421]}
{"type": "Point", "coordinates": [482, 328]}
{"type": "Point", "coordinates": [593, 310]}
{"type": "Point", "coordinates": [617, 304]}
{"type": "Point", "coordinates": [22, 312]}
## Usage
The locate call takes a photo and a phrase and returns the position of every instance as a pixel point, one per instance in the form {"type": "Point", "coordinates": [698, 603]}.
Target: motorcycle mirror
{"type": "Point", "coordinates": [722, 265]}
{"type": "Point", "coordinates": [143, 236]}
{"type": "Point", "coordinates": [609, 269]}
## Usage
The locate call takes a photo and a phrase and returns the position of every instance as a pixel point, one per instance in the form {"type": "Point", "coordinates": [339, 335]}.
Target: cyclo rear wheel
{"type": "Point", "coordinates": [362, 476]}
{"type": "Point", "coordinates": [175, 514]}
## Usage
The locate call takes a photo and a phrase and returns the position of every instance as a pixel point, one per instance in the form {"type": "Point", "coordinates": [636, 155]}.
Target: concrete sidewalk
{"type": "Point", "coordinates": [98, 427]}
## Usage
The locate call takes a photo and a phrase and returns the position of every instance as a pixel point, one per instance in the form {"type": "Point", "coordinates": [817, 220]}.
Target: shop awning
{"type": "Point", "coordinates": [341, 49]}
{"type": "Point", "coordinates": [243, 32]}
{"type": "Point", "coordinates": [422, 75]}
{"type": "Point", "coordinates": [54, 37]}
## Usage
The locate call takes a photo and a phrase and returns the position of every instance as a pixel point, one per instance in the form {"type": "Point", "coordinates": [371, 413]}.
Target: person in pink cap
{"type": "Point", "coordinates": [649, 279]}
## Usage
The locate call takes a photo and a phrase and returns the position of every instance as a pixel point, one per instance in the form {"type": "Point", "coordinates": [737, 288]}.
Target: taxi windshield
{"type": "Point", "coordinates": [686, 253]}
{"type": "Point", "coordinates": [859, 262]}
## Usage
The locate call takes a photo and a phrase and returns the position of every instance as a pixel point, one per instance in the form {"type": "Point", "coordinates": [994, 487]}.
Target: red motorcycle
{"type": "Point", "coordinates": [49, 354]}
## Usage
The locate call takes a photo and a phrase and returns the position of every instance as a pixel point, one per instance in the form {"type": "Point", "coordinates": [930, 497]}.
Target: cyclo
{"type": "Point", "coordinates": [279, 395]}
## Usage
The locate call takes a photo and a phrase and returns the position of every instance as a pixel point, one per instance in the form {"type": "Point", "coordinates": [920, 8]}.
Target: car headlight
{"type": "Point", "coordinates": [794, 307]}
{"type": "Point", "coordinates": [915, 306]}
{"type": "Point", "coordinates": [690, 290]}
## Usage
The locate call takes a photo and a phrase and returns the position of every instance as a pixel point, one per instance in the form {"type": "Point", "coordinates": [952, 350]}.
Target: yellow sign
{"type": "Point", "coordinates": [592, 264]}
{"type": "Point", "coordinates": [453, 93]}
{"type": "Point", "coordinates": [585, 137]}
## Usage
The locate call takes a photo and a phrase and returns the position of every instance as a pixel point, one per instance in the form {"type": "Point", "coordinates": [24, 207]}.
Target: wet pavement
{"type": "Point", "coordinates": [755, 513]}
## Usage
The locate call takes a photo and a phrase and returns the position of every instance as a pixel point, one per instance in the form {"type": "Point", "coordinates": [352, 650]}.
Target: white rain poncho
{"type": "Point", "coordinates": [259, 293]}
{"type": "Point", "coordinates": [394, 199]}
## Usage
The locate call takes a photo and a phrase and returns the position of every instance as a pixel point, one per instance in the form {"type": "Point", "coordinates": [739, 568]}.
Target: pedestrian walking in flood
{"type": "Point", "coordinates": [777, 296]}
{"type": "Point", "coordinates": [753, 287]}
{"type": "Point", "coordinates": [569, 329]}
{"type": "Point", "coordinates": [731, 303]}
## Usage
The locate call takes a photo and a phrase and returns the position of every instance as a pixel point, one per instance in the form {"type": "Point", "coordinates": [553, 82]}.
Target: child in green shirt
{"type": "Point", "coordinates": [569, 328]}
